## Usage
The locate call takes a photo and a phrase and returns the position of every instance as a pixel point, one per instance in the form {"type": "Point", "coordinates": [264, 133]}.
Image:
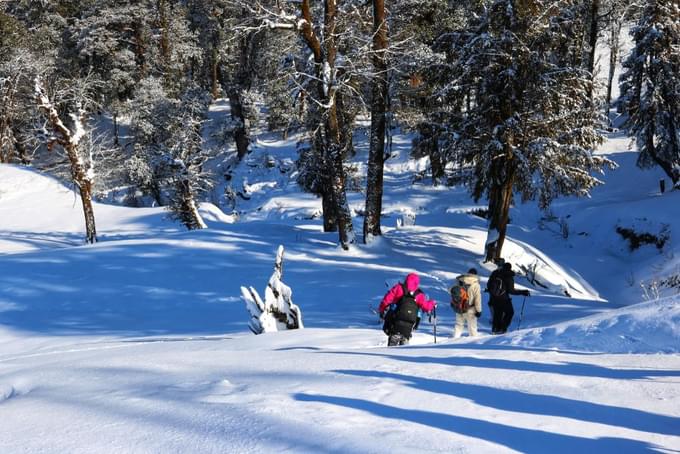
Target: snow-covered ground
{"type": "Point", "coordinates": [139, 344]}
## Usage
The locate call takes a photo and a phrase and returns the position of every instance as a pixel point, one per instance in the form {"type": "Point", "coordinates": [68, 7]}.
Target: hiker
{"type": "Point", "coordinates": [499, 265]}
{"type": "Point", "coordinates": [405, 299]}
{"type": "Point", "coordinates": [466, 300]}
{"type": "Point", "coordinates": [501, 285]}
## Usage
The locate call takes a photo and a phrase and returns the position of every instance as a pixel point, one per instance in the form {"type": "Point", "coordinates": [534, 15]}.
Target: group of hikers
{"type": "Point", "coordinates": [402, 305]}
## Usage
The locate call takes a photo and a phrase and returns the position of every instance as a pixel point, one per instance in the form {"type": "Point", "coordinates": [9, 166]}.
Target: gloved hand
{"type": "Point", "coordinates": [526, 293]}
{"type": "Point", "coordinates": [382, 315]}
{"type": "Point", "coordinates": [478, 314]}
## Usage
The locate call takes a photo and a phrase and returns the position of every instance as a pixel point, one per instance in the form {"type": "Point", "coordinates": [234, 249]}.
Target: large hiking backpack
{"type": "Point", "coordinates": [496, 286]}
{"type": "Point", "coordinates": [460, 297]}
{"type": "Point", "coordinates": [407, 308]}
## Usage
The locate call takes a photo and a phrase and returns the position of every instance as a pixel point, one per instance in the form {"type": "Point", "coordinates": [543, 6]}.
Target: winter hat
{"type": "Point", "coordinates": [507, 266]}
{"type": "Point", "coordinates": [472, 271]}
{"type": "Point", "coordinates": [412, 282]}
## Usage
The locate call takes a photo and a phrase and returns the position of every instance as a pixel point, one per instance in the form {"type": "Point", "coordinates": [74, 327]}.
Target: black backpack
{"type": "Point", "coordinates": [407, 308]}
{"type": "Point", "coordinates": [496, 286]}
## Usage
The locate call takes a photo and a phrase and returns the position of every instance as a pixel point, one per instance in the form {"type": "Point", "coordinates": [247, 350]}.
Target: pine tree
{"type": "Point", "coordinates": [17, 66]}
{"type": "Point", "coordinates": [188, 156]}
{"type": "Point", "coordinates": [529, 127]}
{"type": "Point", "coordinates": [30, 39]}
{"type": "Point", "coordinates": [650, 87]}
{"type": "Point", "coordinates": [169, 153]}
{"type": "Point", "coordinates": [418, 26]}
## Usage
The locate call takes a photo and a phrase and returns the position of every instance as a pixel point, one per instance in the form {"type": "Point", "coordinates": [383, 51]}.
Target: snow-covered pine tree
{"type": "Point", "coordinates": [237, 75]}
{"type": "Point", "coordinates": [30, 38]}
{"type": "Point", "coordinates": [17, 67]}
{"type": "Point", "coordinates": [180, 50]}
{"type": "Point", "coordinates": [530, 126]}
{"type": "Point", "coordinates": [111, 41]}
{"type": "Point", "coordinates": [124, 42]}
{"type": "Point", "coordinates": [151, 112]}
{"type": "Point", "coordinates": [227, 54]}
{"type": "Point", "coordinates": [188, 156]}
{"type": "Point", "coordinates": [277, 312]}
{"type": "Point", "coordinates": [420, 71]}
{"type": "Point", "coordinates": [169, 153]}
{"type": "Point", "coordinates": [650, 87]}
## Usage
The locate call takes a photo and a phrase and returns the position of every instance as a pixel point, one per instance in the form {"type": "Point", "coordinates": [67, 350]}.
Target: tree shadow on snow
{"type": "Point", "coordinates": [519, 439]}
{"type": "Point", "coordinates": [561, 368]}
{"type": "Point", "coordinates": [180, 284]}
{"type": "Point", "coordinates": [536, 404]}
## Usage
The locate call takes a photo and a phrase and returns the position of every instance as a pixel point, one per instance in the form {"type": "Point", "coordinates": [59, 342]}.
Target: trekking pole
{"type": "Point", "coordinates": [521, 313]}
{"type": "Point", "coordinates": [435, 323]}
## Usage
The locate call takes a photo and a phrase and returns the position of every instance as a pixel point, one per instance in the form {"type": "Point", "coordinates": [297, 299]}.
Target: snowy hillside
{"type": "Point", "coordinates": [140, 344]}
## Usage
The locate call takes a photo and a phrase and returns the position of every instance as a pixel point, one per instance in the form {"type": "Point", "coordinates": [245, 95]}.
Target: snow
{"type": "Point", "coordinates": [140, 343]}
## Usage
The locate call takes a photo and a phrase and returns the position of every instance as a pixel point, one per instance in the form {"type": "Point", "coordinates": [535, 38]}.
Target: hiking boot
{"type": "Point", "coordinates": [396, 339]}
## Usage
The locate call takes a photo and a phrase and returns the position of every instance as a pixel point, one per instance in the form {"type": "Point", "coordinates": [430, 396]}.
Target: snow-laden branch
{"type": "Point", "coordinates": [277, 312]}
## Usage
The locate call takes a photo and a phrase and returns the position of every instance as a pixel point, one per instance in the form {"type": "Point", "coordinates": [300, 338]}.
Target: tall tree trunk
{"type": "Point", "coordinates": [650, 148]}
{"type": "Point", "coordinates": [376, 156]}
{"type": "Point", "coordinates": [19, 147]}
{"type": "Point", "coordinates": [502, 181]}
{"type": "Point", "coordinates": [328, 205]}
{"type": "Point", "coordinates": [330, 215]}
{"type": "Point", "coordinates": [7, 137]}
{"type": "Point", "coordinates": [593, 31]}
{"type": "Point", "coordinates": [500, 198]}
{"type": "Point", "coordinates": [436, 161]}
{"type": "Point", "coordinates": [344, 216]}
{"type": "Point", "coordinates": [334, 150]}
{"type": "Point", "coordinates": [613, 60]}
{"type": "Point", "coordinates": [140, 49]}
{"type": "Point", "coordinates": [85, 187]}
{"type": "Point", "coordinates": [84, 183]}
{"type": "Point", "coordinates": [238, 113]}
{"type": "Point", "coordinates": [214, 65]}
{"type": "Point", "coordinates": [163, 24]}
{"type": "Point", "coordinates": [346, 121]}
{"type": "Point", "coordinates": [241, 129]}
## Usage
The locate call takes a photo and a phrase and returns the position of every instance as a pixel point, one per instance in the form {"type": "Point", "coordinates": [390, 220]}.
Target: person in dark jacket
{"type": "Point", "coordinates": [405, 298]}
{"type": "Point", "coordinates": [501, 285]}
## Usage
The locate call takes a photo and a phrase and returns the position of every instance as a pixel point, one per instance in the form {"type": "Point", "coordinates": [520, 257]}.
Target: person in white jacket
{"type": "Point", "coordinates": [471, 282]}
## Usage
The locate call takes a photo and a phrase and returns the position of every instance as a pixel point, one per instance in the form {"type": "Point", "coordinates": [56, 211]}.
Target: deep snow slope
{"type": "Point", "coordinates": [139, 343]}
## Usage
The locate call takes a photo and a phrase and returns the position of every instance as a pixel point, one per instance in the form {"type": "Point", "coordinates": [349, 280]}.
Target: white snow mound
{"type": "Point", "coordinates": [649, 327]}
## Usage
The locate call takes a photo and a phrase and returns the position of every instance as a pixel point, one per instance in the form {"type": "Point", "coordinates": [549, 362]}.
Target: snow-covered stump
{"type": "Point", "coordinates": [277, 312]}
